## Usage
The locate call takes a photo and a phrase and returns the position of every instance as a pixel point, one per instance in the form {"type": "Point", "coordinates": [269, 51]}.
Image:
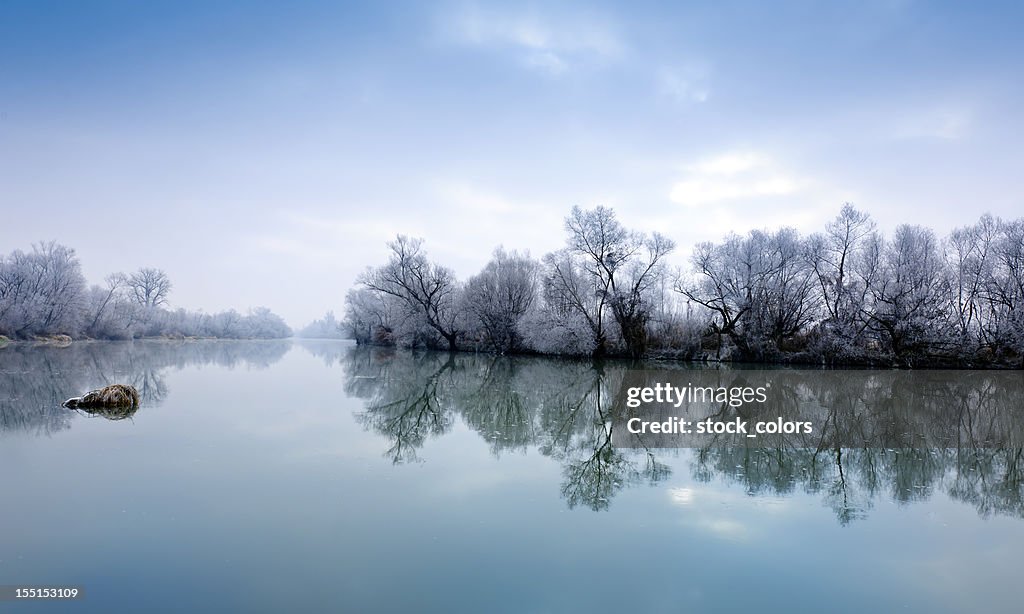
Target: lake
{"type": "Point", "coordinates": [281, 476]}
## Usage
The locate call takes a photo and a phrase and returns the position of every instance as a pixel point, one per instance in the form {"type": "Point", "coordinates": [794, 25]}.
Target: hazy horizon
{"type": "Point", "coordinates": [264, 154]}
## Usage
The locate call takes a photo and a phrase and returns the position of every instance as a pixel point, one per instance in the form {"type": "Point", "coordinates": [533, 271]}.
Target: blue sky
{"type": "Point", "coordinates": [262, 153]}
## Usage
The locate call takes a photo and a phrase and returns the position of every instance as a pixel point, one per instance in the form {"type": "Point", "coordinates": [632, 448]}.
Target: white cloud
{"type": "Point", "coordinates": [948, 124]}
{"type": "Point", "coordinates": [681, 496]}
{"type": "Point", "coordinates": [684, 85]}
{"type": "Point", "coordinates": [550, 43]}
{"type": "Point", "coordinates": [477, 200]}
{"type": "Point", "coordinates": [742, 190]}
{"type": "Point", "coordinates": [728, 164]}
{"type": "Point", "coordinates": [733, 176]}
{"type": "Point", "coordinates": [319, 241]}
{"type": "Point", "coordinates": [726, 529]}
{"type": "Point", "coordinates": [547, 62]}
{"type": "Point", "coordinates": [491, 217]}
{"type": "Point", "coordinates": [704, 191]}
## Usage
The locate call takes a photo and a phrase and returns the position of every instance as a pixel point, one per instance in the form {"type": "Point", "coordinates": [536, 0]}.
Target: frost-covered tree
{"type": "Point", "coordinates": [327, 327]}
{"type": "Point", "coordinates": [838, 259]}
{"type": "Point", "coordinates": [110, 311]}
{"type": "Point", "coordinates": [785, 302]}
{"type": "Point", "coordinates": [845, 295]}
{"type": "Point", "coordinates": [262, 323]}
{"type": "Point", "coordinates": [970, 254]}
{"type": "Point", "coordinates": [428, 290]}
{"type": "Point", "coordinates": [759, 289]}
{"type": "Point", "coordinates": [909, 300]}
{"type": "Point", "coordinates": [372, 316]}
{"type": "Point", "coordinates": [1004, 290]}
{"type": "Point", "coordinates": [149, 287]}
{"type": "Point", "coordinates": [41, 292]}
{"type": "Point", "coordinates": [722, 285]}
{"type": "Point", "coordinates": [568, 318]}
{"type": "Point", "coordinates": [605, 270]}
{"type": "Point", "coordinates": [497, 298]}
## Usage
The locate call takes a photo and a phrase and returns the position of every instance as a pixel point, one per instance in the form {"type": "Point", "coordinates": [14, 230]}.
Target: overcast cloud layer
{"type": "Point", "coordinates": [262, 154]}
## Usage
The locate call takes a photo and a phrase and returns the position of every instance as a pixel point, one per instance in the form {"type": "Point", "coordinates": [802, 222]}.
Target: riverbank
{"type": "Point", "coordinates": [963, 361]}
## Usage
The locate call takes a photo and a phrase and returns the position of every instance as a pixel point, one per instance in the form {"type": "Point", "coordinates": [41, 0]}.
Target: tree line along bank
{"type": "Point", "coordinates": [43, 294]}
{"type": "Point", "coordinates": [845, 295]}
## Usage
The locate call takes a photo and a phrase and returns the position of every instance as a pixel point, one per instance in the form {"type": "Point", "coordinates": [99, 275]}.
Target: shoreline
{"type": "Point", "coordinates": [795, 362]}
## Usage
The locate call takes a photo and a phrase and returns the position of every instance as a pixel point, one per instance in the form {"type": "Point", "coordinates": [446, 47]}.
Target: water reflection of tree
{"type": "Point", "coordinates": [899, 435]}
{"type": "Point", "coordinates": [560, 407]}
{"type": "Point", "coordinates": [990, 480]}
{"type": "Point", "coordinates": [896, 435]}
{"type": "Point", "coordinates": [592, 477]}
{"type": "Point", "coordinates": [404, 400]}
{"type": "Point", "coordinates": [150, 384]}
{"type": "Point", "coordinates": [851, 480]}
{"type": "Point", "coordinates": [35, 379]}
{"type": "Point", "coordinates": [334, 351]}
{"type": "Point", "coordinates": [577, 430]}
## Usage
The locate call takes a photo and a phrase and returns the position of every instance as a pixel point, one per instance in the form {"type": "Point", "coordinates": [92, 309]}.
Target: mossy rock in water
{"type": "Point", "coordinates": [4, 341]}
{"type": "Point", "coordinates": [115, 397]}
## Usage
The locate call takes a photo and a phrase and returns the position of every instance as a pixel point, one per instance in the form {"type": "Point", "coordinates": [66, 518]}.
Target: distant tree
{"type": "Point", "coordinates": [225, 324]}
{"type": "Point", "coordinates": [149, 287]}
{"type": "Point", "coordinates": [327, 327]}
{"type": "Point", "coordinates": [41, 292]}
{"type": "Point", "coordinates": [262, 323]}
{"type": "Point", "coordinates": [372, 316]}
{"type": "Point", "coordinates": [109, 311]}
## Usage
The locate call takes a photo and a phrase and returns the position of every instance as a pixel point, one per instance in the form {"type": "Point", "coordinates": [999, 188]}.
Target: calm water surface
{"type": "Point", "coordinates": [315, 476]}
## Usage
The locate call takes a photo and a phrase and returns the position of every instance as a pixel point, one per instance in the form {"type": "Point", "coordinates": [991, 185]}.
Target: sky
{"type": "Point", "coordinates": [263, 153]}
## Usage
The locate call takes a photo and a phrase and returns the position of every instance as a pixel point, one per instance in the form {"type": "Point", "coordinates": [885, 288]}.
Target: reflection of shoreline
{"type": "Point", "coordinates": [850, 481]}
{"type": "Point", "coordinates": [848, 409]}
{"type": "Point", "coordinates": [36, 379]}
{"type": "Point", "coordinates": [564, 410]}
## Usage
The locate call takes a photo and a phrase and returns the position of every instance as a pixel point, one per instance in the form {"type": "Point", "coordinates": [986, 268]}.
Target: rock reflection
{"type": "Point", "coordinates": [109, 413]}
{"type": "Point", "coordinates": [34, 380]}
{"type": "Point", "coordinates": [884, 435]}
